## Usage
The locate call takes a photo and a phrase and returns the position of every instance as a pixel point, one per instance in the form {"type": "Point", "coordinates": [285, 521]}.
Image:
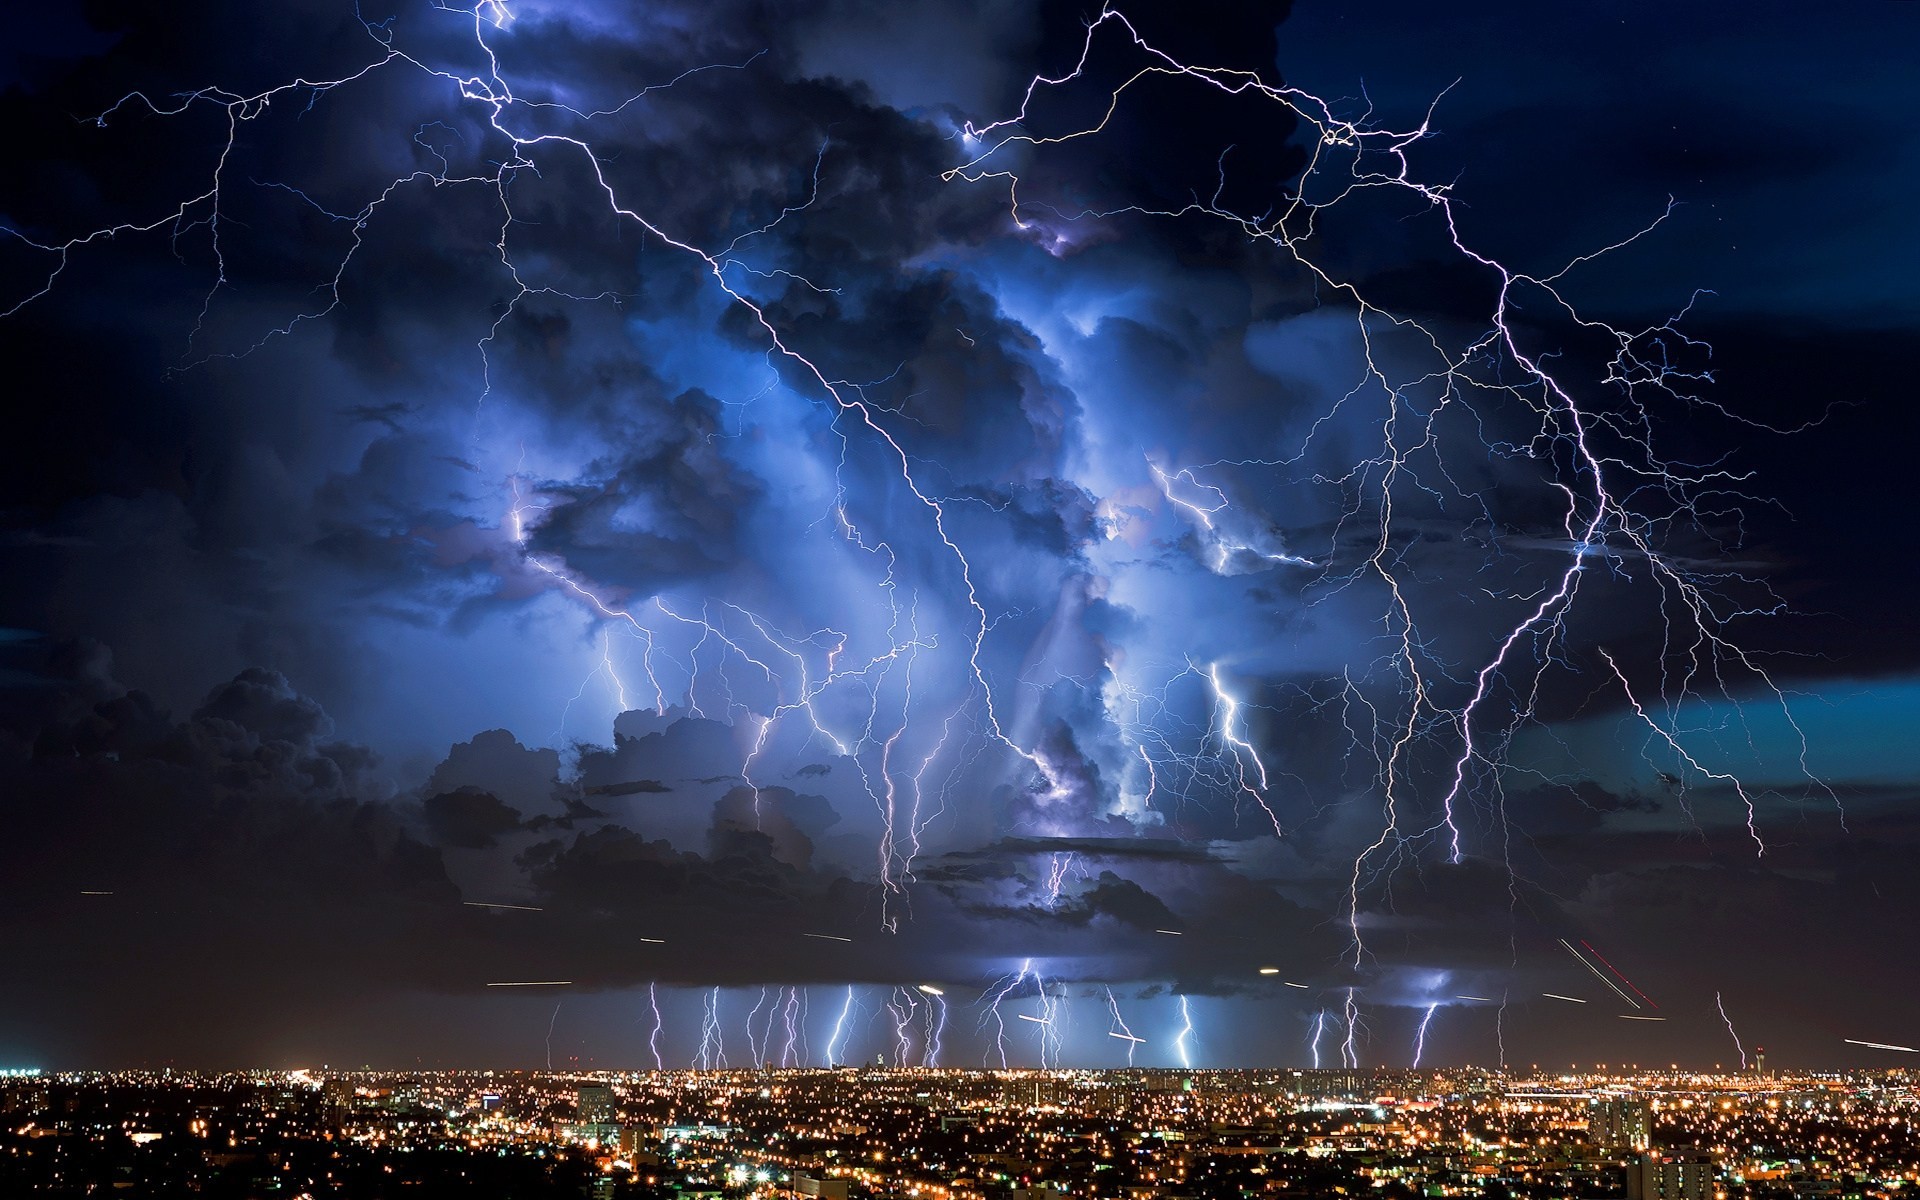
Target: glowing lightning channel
{"type": "Point", "coordinates": [839, 1030]}
{"type": "Point", "coordinates": [1180, 1039]}
{"type": "Point", "coordinates": [653, 1038]}
{"type": "Point", "coordinates": [936, 1029]}
{"type": "Point", "coordinates": [1350, 1049]}
{"type": "Point", "coordinates": [1420, 1036]}
{"type": "Point", "coordinates": [793, 1051]}
{"type": "Point", "coordinates": [1313, 1042]}
{"type": "Point", "coordinates": [1120, 1029]}
{"type": "Point", "coordinates": [713, 1052]}
{"type": "Point", "coordinates": [1730, 1030]}
{"type": "Point", "coordinates": [756, 1053]}
{"type": "Point", "coordinates": [901, 1007]}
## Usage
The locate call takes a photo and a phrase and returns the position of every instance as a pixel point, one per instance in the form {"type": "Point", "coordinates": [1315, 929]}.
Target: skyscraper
{"type": "Point", "coordinates": [1622, 1124]}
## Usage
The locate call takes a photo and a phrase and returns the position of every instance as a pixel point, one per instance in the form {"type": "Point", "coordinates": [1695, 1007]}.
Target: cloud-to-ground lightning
{"type": "Point", "coordinates": [836, 1041]}
{"type": "Point", "coordinates": [712, 1055]}
{"type": "Point", "coordinates": [1350, 1046]}
{"type": "Point", "coordinates": [1420, 1035]}
{"type": "Point", "coordinates": [1738, 1047]}
{"type": "Point", "coordinates": [1120, 1029]}
{"type": "Point", "coordinates": [653, 1035]}
{"type": "Point", "coordinates": [793, 1048]}
{"type": "Point", "coordinates": [1184, 1035]}
{"type": "Point", "coordinates": [935, 1034]}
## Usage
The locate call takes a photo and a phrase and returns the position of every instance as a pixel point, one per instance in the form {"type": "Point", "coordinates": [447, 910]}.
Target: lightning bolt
{"type": "Point", "coordinates": [1730, 1030]}
{"type": "Point", "coordinates": [936, 1028]}
{"type": "Point", "coordinates": [756, 1052]}
{"type": "Point", "coordinates": [901, 1007]}
{"type": "Point", "coordinates": [835, 1040]}
{"type": "Point", "coordinates": [1350, 1049]}
{"type": "Point", "coordinates": [1120, 1029]}
{"type": "Point", "coordinates": [713, 1052]}
{"type": "Point", "coordinates": [793, 1050]}
{"type": "Point", "coordinates": [653, 1038]}
{"type": "Point", "coordinates": [1185, 1033]}
{"type": "Point", "coordinates": [1420, 1035]}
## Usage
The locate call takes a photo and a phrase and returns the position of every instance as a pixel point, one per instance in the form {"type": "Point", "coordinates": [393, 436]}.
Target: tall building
{"type": "Point", "coordinates": [1669, 1177]}
{"type": "Point", "coordinates": [1760, 1061]}
{"type": "Point", "coordinates": [595, 1101]}
{"type": "Point", "coordinates": [1621, 1125]}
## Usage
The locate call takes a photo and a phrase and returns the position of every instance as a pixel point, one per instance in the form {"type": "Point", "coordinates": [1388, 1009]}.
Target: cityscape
{"type": "Point", "coordinates": [965, 1135]}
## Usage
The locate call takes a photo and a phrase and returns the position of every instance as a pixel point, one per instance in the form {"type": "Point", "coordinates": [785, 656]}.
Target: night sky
{"type": "Point", "coordinates": [697, 477]}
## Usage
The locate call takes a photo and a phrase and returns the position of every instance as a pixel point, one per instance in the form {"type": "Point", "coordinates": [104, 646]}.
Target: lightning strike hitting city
{"type": "Point", "coordinates": [939, 599]}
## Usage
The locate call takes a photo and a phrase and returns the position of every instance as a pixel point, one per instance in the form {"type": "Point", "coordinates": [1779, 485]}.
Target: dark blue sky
{"type": "Point", "coordinates": [692, 473]}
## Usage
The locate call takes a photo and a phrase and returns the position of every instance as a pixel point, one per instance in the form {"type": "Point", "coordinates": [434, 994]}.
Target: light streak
{"type": "Point", "coordinates": [468, 903]}
{"type": "Point", "coordinates": [1420, 1035]}
{"type": "Point", "coordinates": [1616, 972]}
{"type": "Point", "coordinates": [1050, 1020]}
{"type": "Point", "coordinates": [1637, 1017]}
{"type": "Point", "coordinates": [1481, 999]}
{"type": "Point", "coordinates": [534, 983]}
{"type": "Point", "coordinates": [1558, 996]}
{"type": "Point", "coordinates": [1169, 932]}
{"type": "Point", "coordinates": [1289, 983]}
{"type": "Point", "coordinates": [1121, 1031]}
{"type": "Point", "coordinates": [1597, 975]}
{"type": "Point", "coordinates": [929, 989]}
{"type": "Point", "coordinates": [1881, 1046]}
{"type": "Point", "coordinates": [1731, 1032]}
{"type": "Point", "coordinates": [828, 937]}
{"type": "Point", "coordinates": [1269, 970]}
{"type": "Point", "coordinates": [85, 892]}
